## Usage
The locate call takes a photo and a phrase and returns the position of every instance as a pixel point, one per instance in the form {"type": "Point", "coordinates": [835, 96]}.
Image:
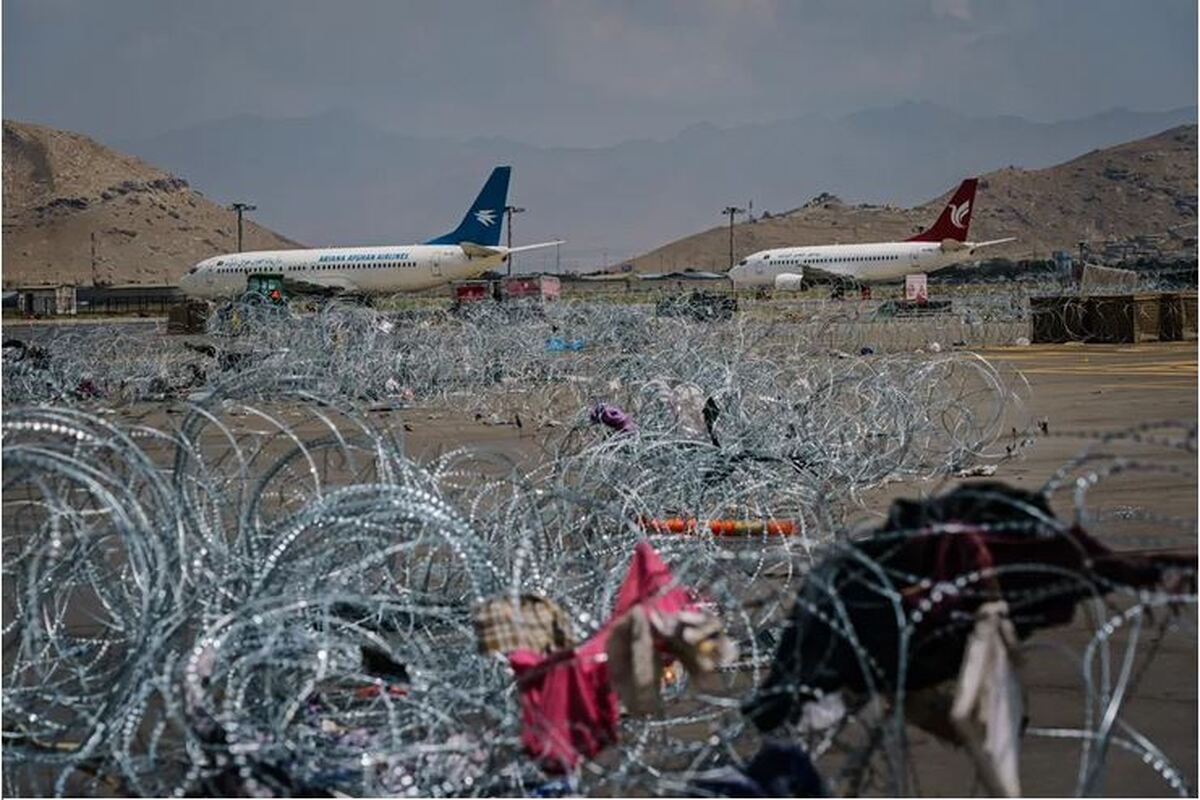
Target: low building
{"type": "Point", "coordinates": [47, 301]}
{"type": "Point", "coordinates": [129, 299]}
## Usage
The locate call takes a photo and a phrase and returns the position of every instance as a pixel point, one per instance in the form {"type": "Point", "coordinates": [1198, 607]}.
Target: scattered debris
{"type": "Point", "coordinates": [286, 597]}
{"type": "Point", "coordinates": [977, 471]}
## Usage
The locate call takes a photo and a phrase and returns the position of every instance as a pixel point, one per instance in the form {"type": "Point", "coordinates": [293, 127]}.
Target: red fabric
{"type": "Point", "coordinates": [648, 578]}
{"type": "Point", "coordinates": [568, 706]}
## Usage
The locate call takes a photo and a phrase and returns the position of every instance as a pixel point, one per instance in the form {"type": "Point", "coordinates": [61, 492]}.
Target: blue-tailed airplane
{"type": "Point", "coordinates": [466, 252]}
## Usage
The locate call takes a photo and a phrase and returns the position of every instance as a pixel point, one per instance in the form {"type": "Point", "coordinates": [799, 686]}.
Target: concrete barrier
{"type": "Point", "coordinates": [1114, 318]}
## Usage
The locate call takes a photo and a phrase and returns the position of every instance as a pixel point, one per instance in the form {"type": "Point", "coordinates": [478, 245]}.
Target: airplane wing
{"type": "Point", "coordinates": [978, 245]}
{"type": "Point", "coordinates": [319, 285]}
{"type": "Point", "coordinates": [481, 251]}
{"type": "Point", "coordinates": [537, 246]}
{"type": "Point", "coordinates": [817, 275]}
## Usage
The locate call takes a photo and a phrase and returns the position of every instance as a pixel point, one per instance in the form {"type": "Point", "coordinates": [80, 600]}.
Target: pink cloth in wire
{"type": "Point", "coordinates": [568, 706]}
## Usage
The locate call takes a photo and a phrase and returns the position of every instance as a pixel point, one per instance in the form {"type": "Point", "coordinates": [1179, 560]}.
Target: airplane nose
{"type": "Point", "coordinates": [189, 282]}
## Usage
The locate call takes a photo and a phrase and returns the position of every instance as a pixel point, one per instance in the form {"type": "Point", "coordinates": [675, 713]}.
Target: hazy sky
{"type": "Point", "coordinates": [582, 73]}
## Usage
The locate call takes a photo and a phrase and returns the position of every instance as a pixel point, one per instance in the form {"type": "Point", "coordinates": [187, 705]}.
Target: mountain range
{"type": "Point", "coordinates": [1145, 188]}
{"type": "Point", "coordinates": [334, 179]}
{"type": "Point", "coordinates": [78, 212]}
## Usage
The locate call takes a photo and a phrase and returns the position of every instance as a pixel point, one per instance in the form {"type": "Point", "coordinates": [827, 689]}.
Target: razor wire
{"type": "Point", "coordinates": [429, 355]}
{"type": "Point", "coordinates": [187, 603]}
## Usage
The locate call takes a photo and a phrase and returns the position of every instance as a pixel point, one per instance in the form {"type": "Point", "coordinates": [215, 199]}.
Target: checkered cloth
{"type": "Point", "coordinates": [537, 624]}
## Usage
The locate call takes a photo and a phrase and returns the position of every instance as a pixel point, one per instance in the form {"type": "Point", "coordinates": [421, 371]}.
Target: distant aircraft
{"type": "Point", "coordinates": [938, 247]}
{"type": "Point", "coordinates": [466, 252]}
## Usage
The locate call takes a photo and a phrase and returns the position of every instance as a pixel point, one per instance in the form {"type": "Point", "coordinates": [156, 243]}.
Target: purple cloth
{"type": "Point", "coordinates": [612, 417]}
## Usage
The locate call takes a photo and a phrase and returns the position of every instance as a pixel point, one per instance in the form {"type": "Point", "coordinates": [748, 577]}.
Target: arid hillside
{"type": "Point", "coordinates": [67, 197]}
{"type": "Point", "coordinates": [1142, 188]}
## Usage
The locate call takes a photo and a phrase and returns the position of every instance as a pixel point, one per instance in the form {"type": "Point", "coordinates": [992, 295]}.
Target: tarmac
{"type": "Point", "coordinates": [1082, 392]}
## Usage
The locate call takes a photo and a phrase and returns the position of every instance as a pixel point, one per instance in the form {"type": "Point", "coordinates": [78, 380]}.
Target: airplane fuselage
{"type": "Point", "coordinates": [864, 263]}
{"type": "Point", "coordinates": [348, 270]}
{"type": "Point", "coordinates": [941, 245]}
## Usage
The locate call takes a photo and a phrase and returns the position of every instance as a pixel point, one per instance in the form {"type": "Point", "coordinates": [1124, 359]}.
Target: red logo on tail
{"type": "Point", "coordinates": [955, 218]}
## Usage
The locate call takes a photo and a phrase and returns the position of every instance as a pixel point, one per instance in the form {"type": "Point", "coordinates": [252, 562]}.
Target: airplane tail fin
{"type": "Point", "coordinates": [485, 217]}
{"type": "Point", "coordinates": [955, 218]}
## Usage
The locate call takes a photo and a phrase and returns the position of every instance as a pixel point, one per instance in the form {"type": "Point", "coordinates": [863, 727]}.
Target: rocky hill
{"type": "Point", "coordinates": [335, 178]}
{"type": "Point", "coordinates": [63, 191]}
{"type": "Point", "coordinates": [1144, 188]}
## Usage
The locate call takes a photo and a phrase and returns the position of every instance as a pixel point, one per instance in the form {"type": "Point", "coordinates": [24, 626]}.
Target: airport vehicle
{"type": "Point", "coordinates": [940, 246]}
{"type": "Point", "coordinates": [267, 285]}
{"type": "Point", "coordinates": [473, 291]}
{"type": "Point", "coordinates": [516, 287]}
{"type": "Point", "coordinates": [465, 252]}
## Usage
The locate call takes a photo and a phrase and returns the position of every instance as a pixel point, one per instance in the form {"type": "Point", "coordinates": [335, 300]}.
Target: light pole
{"type": "Point", "coordinates": [240, 208]}
{"type": "Point", "coordinates": [510, 210]}
{"type": "Point", "coordinates": [731, 210]}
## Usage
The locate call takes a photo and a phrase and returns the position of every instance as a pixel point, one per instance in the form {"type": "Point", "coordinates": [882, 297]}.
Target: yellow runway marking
{"type": "Point", "coordinates": [1097, 351]}
{"type": "Point", "coordinates": [1164, 372]}
{"type": "Point", "coordinates": [1139, 387]}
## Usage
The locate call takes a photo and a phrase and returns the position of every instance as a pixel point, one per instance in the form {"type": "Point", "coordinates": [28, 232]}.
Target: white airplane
{"type": "Point", "coordinates": [466, 252]}
{"type": "Point", "coordinates": [941, 246]}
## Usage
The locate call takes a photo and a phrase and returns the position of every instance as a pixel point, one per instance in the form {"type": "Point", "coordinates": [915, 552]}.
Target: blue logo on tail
{"type": "Point", "coordinates": [482, 225]}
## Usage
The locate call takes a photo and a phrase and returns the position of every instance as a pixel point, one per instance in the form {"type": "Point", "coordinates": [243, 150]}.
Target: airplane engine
{"type": "Point", "coordinates": [789, 281]}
